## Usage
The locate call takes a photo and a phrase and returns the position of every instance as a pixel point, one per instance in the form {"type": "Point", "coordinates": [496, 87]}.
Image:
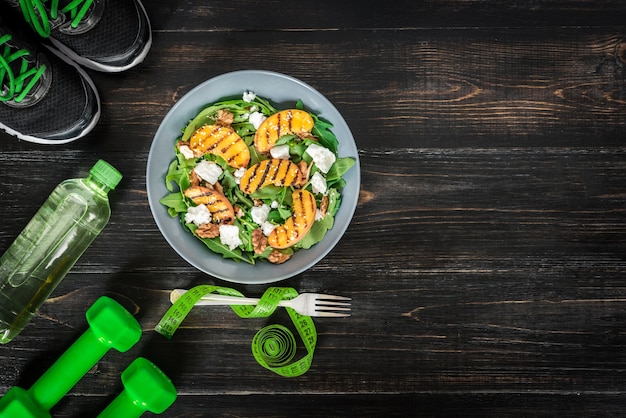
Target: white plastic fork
{"type": "Point", "coordinates": [309, 304]}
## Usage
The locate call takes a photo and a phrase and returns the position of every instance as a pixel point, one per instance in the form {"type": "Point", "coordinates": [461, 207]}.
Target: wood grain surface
{"type": "Point", "coordinates": [487, 255]}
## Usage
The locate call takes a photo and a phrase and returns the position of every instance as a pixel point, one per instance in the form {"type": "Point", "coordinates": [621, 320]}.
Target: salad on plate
{"type": "Point", "coordinates": [255, 183]}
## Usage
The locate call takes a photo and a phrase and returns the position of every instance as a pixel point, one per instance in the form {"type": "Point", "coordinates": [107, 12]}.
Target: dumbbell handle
{"type": "Point", "coordinates": [86, 351]}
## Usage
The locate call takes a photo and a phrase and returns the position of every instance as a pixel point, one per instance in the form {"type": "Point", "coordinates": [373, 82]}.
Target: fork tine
{"type": "Point", "coordinates": [331, 314]}
{"type": "Point", "coordinates": [329, 303]}
{"type": "Point", "coordinates": [332, 297]}
{"type": "Point", "coordinates": [331, 308]}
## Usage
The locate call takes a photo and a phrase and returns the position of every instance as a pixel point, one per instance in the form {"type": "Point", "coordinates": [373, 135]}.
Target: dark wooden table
{"type": "Point", "coordinates": [487, 255]}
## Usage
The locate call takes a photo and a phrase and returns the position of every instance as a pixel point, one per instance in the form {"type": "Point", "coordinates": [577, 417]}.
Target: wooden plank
{"type": "Point", "coordinates": [273, 15]}
{"type": "Point", "coordinates": [375, 405]}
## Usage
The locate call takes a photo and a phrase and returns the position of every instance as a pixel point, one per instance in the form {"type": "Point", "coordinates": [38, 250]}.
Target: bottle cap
{"type": "Point", "coordinates": [106, 174]}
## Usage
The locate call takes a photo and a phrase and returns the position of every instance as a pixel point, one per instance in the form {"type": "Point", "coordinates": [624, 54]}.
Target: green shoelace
{"type": "Point", "coordinates": [38, 15]}
{"type": "Point", "coordinates": [16, 86]}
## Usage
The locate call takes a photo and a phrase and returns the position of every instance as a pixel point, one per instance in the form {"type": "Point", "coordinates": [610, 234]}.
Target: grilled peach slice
{"type": "Point", "coordinates": [285, 122]}
{"type": "Point", "coordinates": [221, 209]}
{"type": "Point", "coordinates": [300, 222]}
{"type": "Point", "coordinates": [222, 141]}
{"type": "Point", "coordinates": [274, 171]}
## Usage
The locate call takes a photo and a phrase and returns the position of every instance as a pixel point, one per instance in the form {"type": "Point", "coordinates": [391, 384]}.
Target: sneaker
{"type": "Point", "coordinates": [44, 98]}
{"type": "Point", "coordinates": [104, 35]}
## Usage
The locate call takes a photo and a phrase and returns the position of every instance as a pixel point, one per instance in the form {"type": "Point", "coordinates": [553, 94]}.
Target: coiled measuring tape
{"type": "Point", "coordinates": [274, 346]}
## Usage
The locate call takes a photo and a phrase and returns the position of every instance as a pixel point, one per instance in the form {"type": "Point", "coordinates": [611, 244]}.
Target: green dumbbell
{"type": "Point", "coordinates": [110, 326]}
{"type": "Point", "coordinates": [146, 388]}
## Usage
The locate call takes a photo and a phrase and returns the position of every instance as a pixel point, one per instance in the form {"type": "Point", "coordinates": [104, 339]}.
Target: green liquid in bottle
{"type": "Point", "coordinates": [51, 243]}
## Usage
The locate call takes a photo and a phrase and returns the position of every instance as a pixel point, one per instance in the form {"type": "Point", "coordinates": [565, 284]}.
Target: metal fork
{"type": "Point", "coordinates": [309, 304]}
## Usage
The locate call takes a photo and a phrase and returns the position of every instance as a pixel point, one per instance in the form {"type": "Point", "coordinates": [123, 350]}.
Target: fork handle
{"type": "Point", "coordinates": [216, 299]}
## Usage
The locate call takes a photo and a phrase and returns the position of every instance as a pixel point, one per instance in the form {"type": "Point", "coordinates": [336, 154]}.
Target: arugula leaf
{"type": "Point", "coordinates": [284, 213]}
{"type": "Point", "coordinates": [173, 176]}
{"type": "Point", "coordinates": [322, 130]}
{"type": "Point", "coordinates": [334, 201]}
{"type": "Point", "coordinates": [176, 202]}
{"type": "Point", "coordinates": [339, 168]}
{"type": "Point", "coordinates": [267, 192]}
{"type": "Point", "coordinates": [317, 232]}
{"type": "Point", "coordinates": [216, 246]}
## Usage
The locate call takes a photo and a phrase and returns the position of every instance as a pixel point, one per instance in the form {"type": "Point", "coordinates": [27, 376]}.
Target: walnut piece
{"type": "Point", "coordinates": [208, 230]}
{"type": "Point", "coordinates": [303, 173]}
{"type": "Point", "coordinates": [224, 118]}
{"type": "Point", "coordinates": [306, 135]}
{"type": "Point", "coordinates": [324, 205]}
{"type": "Point", "coordinates": [194, 179]}
{"type": "Point", "coordinates": [259, 241]}
{"type": "Point", "coordinates": [277, 257]}
{"type": "Point", "coordinates": [218, 187]}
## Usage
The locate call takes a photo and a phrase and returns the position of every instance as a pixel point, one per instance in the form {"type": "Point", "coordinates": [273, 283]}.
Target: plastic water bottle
{"type": "Point", "coordinates": [54, 239]}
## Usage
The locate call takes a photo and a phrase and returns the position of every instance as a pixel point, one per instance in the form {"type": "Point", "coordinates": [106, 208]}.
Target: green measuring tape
{"type": "Point", "coordinates": [274, 346]}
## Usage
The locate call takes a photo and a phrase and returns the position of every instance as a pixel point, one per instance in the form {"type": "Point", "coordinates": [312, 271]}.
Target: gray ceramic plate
{"type": "Point", "coordinates": [283, 91]}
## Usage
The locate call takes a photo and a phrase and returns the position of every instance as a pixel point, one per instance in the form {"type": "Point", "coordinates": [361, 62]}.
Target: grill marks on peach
{"type": "Point", "coordinates": [285, 122]}
{"type": "Point", "coordinates": [274, 171]}
{"type": "Point", "coordinates": [220, 207]}
{"type": "Point", "coordinates": [297, 226]}
{"type": "Point", "coordinates": [223, 141]}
